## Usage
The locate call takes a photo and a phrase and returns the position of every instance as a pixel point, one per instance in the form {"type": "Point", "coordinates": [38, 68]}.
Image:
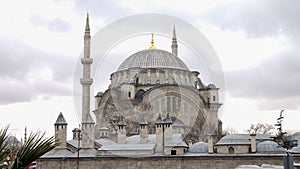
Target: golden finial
{"type": "Point", "coordinates": [152, 43]}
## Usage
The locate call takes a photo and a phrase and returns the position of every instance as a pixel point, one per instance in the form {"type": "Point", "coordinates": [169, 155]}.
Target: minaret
{"type": "Point", "coordinates": [61, 131]}
{"type": "Point", "coordinates": [86, 81]}
{"type": "Point", "coordinates": [25, 135]}
{"type": "Point", "coordinates": [174, 43]}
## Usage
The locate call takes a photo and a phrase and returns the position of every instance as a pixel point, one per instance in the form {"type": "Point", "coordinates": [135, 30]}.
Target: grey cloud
{"type": "Point", "coordinates": [59, 25]}
{"type": "Point", "coordinates": [258, 18]}
{"type": "Point", "coordinates": [13, 91]}
{"type": "Point", "coordinates": [37, 20]}
{"type": "Point", "coordinates": [103, 9]}
{"type": "Point", "coordinates": [54, 25]}
{"type": "Point", "coordinates": [276, 79]}
{"type": "Point", "coordinates": [18, 60]}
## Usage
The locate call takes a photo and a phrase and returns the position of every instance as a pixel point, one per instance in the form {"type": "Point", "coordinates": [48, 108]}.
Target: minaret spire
{"type": "Point", "coordinates": [25, 135]}
{"type": "Point", "coordinates": [86, 81]}
{"type": "Point", "coordinates": [87, 24]}
{"type": "Point", "coordinates": [174, 45]}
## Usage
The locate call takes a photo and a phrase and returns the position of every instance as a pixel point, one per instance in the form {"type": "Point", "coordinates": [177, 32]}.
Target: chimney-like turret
{"type": "Point", "coordinates": [143, 130]}
{"type": "Point", "coordinates": [122, 131]}
{"type": "Point", "coordinates": [159, 134]}
{"type": "Point", "coordinates": [61, 131]}
{"type": "Point", "coordinates": [253, 142]}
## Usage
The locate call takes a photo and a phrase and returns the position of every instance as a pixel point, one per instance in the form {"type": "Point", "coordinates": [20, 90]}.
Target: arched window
{"type": "Point", "coordinates": [168, 104]}
{"type": "Point", "coordinates": [231, 150]}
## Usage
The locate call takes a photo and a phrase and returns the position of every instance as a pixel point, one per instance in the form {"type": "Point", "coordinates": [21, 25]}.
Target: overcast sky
{"type": "Point", "coordinates": [257, 43]}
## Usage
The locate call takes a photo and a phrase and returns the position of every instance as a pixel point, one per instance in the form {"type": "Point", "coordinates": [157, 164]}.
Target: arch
{"type": "Point", "coordinates": [231, 150]}
{"type": "Point", "coordinates": [185, 95]}
{"type": "Point", "coordinates": [136, 81]}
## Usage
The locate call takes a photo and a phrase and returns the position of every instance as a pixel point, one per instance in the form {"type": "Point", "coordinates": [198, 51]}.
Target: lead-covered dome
{"type": "Point", "coordinates": [153, 58]}
{"type": "Point", "coordinates": [269, 147]}
{"type": "Point", "coordinates": [199, 147]}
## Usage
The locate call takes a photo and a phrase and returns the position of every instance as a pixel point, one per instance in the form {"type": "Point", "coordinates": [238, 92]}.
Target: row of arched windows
{"type": "Point", "coordinates": [174, 105]}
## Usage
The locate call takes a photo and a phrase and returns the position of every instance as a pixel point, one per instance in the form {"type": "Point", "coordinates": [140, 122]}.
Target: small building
{"type": "Point", "coordinates": [238, 143]}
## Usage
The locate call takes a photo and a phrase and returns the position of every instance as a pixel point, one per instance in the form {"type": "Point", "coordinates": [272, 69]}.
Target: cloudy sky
{"type": "Point", "coordinates": [257, 43]}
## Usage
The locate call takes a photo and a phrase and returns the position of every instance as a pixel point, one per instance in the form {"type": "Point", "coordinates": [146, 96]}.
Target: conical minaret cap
{"type": "Point", "coordinates": [143, 120]}
{"type": "Point", "coordinates": [87, 24]}
{"type": "Point", "coordinates": [168, 119]}
{"type": "Point", "coordinates": [159, 119]}
{"type": "Point", "coordinates": [122, 122]}
{"type": "Point", "coordinates": [60, 120]}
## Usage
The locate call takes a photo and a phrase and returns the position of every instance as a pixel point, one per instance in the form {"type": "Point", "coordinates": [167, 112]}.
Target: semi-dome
{"type": "Point", "coordinates": [153, 58]}
{"type": "Point", "coordinates": [269, 147]}
{"type": "Point", "coordinates": [199, 147]}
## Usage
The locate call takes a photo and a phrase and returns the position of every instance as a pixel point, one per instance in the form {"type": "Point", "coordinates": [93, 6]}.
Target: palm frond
{"type": "Point", "coordinates": [35, 146]}
{"type": "Point", "coordinates": [4, 145]}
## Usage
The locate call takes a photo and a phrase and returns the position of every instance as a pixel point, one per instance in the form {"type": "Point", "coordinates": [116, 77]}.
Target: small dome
{"type": "Point", "coordinates": [211, 86]}
{"type": "Point", "coordinates": [177, 122]}
{"type": "Point", "coordinates": [76, 130]}
{"type": "Point", "coordinates": [295, 150]}
{"type": "Point", "coordinates": [153, 58]}
{"type": "Point", "coordinates": [199, 147]}
{"type": "Point", "coordinates": [296, 136]}
{"type": "Point", "coordinates": [269, 147]}
{"type": "Point", "coordinates": [99, 94]}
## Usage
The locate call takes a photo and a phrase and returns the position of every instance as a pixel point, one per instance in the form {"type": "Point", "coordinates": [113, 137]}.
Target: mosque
{"type": "Point", "coordinates": [156, 108]}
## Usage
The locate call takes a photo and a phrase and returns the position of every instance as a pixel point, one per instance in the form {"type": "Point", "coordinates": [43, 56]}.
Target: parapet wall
{"type": "Point", "coordinates": [162, 162]}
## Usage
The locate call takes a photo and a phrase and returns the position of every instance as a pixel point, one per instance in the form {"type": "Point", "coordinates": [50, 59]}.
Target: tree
{"type": "Point", "coordinates": [229, 130]}
{"type": "Point", "coordinates": [35, 146]}
{"type": "Point", "coordinates": [260, 128]}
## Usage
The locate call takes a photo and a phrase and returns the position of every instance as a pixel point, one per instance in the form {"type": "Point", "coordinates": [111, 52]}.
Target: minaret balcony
{"type": "Point", "coordinates": [86, 60]}
{"type": "Point", "coordinates": [86, 81]}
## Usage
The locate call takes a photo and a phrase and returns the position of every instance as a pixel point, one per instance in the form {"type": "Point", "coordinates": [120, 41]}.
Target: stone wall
{"type": "Point", "coordinates": [159, 162]}
{"type": "Point", "coordinates": [237, 149]}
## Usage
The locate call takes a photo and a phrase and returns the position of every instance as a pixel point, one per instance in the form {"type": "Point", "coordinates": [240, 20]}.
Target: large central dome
{"type": "Point", "coordinates": [153, 58]}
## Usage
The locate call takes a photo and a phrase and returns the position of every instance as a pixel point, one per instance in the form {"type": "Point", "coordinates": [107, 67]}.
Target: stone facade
{"type": "Point", "coordinates": [155, 81]}
{"type": "Point", "coordinates": [159, 162]}
{"type": "Point", "coordinates": [233, 149]}
{"type": "Point", "coordinates": [61, 131]}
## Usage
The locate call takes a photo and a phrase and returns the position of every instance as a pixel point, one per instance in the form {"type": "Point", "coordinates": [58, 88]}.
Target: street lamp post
{"type": "Point", "coordinates": [78, 146]}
